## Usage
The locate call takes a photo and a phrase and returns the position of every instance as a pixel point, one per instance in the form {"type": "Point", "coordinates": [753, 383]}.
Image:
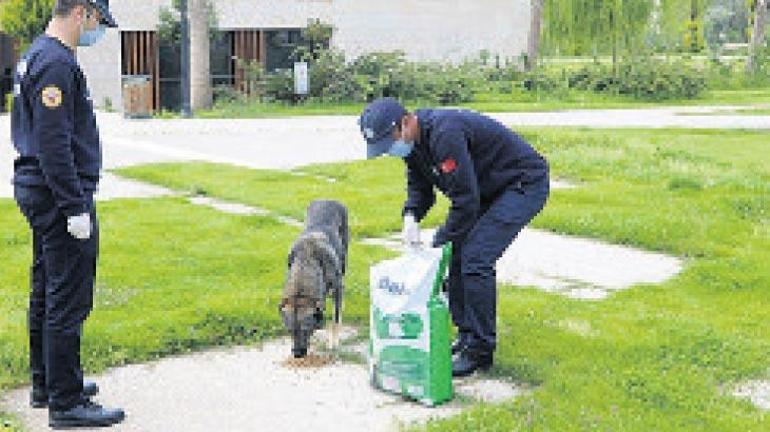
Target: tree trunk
{"type": "Point", "coordinates": [758, 35]}
{"type": "Point", "coordinates": [200, 68]}
{"type": "Point", "coordinates": [533, 42]}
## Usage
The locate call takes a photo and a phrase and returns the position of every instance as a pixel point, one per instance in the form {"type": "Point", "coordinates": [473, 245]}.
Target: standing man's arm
{"type": "Point", "coordinates": [53, 106]}
{"type": "Point", "coordinates": [456, 167]}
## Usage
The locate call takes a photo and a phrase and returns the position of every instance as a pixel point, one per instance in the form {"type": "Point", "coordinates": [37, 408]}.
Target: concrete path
{"type": "Point", "coordinates": [248, 389]}
{"type": "Point", "coordinates": [758, 392]}
{"type": "Point", "coordinates": [292, 142]}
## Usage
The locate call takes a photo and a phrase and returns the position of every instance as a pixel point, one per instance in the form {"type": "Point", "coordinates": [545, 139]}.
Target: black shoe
{"type": "Point", "coordinates": [459, 344]}
{"type": "Point", "coordinates": [470, 361]}
{"type": "Point", "coordinates": [39, 398]}
{"type": "Point", "coordinates": [85, 414]}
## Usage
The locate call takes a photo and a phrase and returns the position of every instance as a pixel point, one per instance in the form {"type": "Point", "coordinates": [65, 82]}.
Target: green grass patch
{"type": "Point", "coordinates": [373, 190]}
{"type": "Point", "coordinates": [660, 357]}
{"type": "Point", "coordinates": [516, 101]}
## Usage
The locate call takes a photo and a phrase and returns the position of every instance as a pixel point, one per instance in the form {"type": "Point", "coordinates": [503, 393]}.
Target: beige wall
{"type": "Point", "coordinates": [428, 29]}
{"type": "Point", "coordinates": [101, 64]}
{"type": "Point", "coordinates": [425, 29]}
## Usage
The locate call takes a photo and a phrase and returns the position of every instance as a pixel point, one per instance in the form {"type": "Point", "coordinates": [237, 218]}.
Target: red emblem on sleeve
{"type": "Point", "coordinates": [448, 166]}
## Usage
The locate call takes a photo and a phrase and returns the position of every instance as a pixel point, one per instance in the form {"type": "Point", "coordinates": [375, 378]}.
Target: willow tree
{"type": "Point", "coordinates": [681, 25]}
{"type": "Point", "coordinates": [596, 27]}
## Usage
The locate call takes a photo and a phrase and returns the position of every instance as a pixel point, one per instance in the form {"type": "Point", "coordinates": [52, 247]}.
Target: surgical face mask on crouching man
{"type": "Point", "coordinates": [402, 147]}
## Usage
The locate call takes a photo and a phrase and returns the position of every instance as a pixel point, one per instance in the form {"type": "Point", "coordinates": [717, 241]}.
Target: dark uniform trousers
{"type": "Point", "coordinates": [472, 277]}
{"type": "Point", "coordinates": [61, 298]}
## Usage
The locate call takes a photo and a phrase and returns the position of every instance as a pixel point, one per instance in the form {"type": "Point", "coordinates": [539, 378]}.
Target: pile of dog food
{"type": "Point", "coordinates": [310, 361]}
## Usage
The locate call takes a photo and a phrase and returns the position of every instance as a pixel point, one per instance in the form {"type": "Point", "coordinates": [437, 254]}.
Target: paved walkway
{"type": "Point", "coordinates": [292, 142]}
{"type": "Point", "coordinates": [247, 389]}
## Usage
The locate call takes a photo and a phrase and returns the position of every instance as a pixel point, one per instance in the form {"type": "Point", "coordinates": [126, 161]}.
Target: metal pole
{"type": "Point", "coordinates": [186, 108]}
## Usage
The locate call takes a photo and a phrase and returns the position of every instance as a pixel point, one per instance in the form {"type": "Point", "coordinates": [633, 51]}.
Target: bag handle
{"type": "Point", "coordinates": [446, 257]}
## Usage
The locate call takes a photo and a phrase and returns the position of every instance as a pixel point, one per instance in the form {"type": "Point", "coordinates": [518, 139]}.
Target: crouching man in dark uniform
{"type": "Point", "coordinates": [497, 184]}
{"type": "Point", "coordinates": [55, 176]}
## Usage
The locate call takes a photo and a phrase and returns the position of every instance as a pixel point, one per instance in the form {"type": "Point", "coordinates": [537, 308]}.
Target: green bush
{"type": "Point", "coordinates": [227, 94]}
{"type": "Point", "coordinates": [331, 78]}
{"type": "Point", "coordinates": [279, 85]}
{"type": "Point", "coordinates": [644, 78]}
{"type": "Point", "coordinates": [375, 75]}
{"type": "Point", "coordinates": [540, 81]}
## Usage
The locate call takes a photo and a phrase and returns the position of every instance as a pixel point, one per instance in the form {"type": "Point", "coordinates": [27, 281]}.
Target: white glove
{"type": "Point", "coordinates": [80, 226]}
{"type": "Point", "coordinates": [411, 233]}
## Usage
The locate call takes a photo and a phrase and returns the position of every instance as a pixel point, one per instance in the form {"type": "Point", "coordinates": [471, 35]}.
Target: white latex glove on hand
{"type": "Point", "coordinates": [80, 226]}
{"type": "Point", "coordinates": [411, 233]}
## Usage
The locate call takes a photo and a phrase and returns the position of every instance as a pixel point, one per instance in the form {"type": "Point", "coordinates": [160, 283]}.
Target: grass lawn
{"type": "Point", "coordinates": [518, 101]}
{"type": "Point", "coordinates": [175, 277]}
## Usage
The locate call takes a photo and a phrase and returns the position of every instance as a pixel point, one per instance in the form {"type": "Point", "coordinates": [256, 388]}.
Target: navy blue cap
{"type": "Point", "coordinates": [377, 123]}
{"type": "Point", "coordinates": [104, 9]}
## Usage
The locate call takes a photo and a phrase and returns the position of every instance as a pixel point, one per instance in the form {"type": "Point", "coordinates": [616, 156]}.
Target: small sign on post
{"type": "Point", "coordinates": [301, 80]}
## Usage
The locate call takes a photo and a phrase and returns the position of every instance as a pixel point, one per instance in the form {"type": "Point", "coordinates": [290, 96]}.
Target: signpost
{"type": "Point", "coordinates": [301, 80]}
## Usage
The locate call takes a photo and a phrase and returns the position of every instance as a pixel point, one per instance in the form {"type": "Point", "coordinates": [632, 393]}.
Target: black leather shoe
{"type": "Point", "coordinates": [85, 414]}
{"type": "Point", "coordinates": [39, 398]}
{"type": "Point", "coordinates": [459, 343]}
{"type": "Point", "coordinates": [469, 361]}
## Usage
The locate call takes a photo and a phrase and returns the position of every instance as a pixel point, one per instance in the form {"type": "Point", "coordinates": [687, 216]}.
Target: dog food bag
{"type": "Point", "coordinates": [409, 351]}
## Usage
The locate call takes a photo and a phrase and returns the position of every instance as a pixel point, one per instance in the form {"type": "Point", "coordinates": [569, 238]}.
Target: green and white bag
{"type": "Point", "coordinates": [409, 350]}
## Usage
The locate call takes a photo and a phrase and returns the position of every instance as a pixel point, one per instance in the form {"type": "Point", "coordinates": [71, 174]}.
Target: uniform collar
{"type": "Point", "coordinates": [58, 42]}
{"type": "Point", "coordinates": [425, 119]}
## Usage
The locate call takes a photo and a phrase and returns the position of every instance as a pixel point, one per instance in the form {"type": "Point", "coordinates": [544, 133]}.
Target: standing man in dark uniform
{"type": "Point", "coordinates": [55, 176]}
{"type": "Point", "coordinates": [496, 182]}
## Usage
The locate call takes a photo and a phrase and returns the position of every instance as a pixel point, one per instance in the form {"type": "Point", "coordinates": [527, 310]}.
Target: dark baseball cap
{"type": "Point", "coordinates": [377, 123]}
{"type": "Point", "coordinates": [104, 8]}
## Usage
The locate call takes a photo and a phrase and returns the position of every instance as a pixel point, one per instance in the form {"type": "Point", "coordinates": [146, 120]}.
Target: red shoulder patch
{"type": "Point", "coordinates": [448, 166]}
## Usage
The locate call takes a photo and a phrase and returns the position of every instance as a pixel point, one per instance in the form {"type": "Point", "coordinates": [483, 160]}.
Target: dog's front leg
{"type": "Point", "coordinates": [334, 334]}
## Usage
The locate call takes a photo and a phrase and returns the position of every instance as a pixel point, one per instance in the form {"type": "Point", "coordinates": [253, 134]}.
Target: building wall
{"type": "Point", "coordinates": [102, 66]}
{"type": "Point", "coordinates": [102, 62]}
{"type": "Point", "coordinates": [424, 29]}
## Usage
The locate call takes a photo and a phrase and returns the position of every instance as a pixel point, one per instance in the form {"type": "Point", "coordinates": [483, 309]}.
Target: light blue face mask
{"type": "Point", "coordinates": [401, 148]}
{"type": "Point", "coordinates": [91, 37]}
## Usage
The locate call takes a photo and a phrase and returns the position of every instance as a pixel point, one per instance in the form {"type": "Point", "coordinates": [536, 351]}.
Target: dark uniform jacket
{"type": "Point", "coordinates": [471, 159]}
{"type": "Point", "coordinates": [53, 126]}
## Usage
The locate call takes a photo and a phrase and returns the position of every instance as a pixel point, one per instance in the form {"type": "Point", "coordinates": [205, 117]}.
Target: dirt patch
{"type": "Point", "coordinates": [311, 361]}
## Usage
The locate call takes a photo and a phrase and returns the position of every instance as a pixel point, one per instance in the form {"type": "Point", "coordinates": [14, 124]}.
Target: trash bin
{"type": "Point", "coordinates": [137, 96]}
